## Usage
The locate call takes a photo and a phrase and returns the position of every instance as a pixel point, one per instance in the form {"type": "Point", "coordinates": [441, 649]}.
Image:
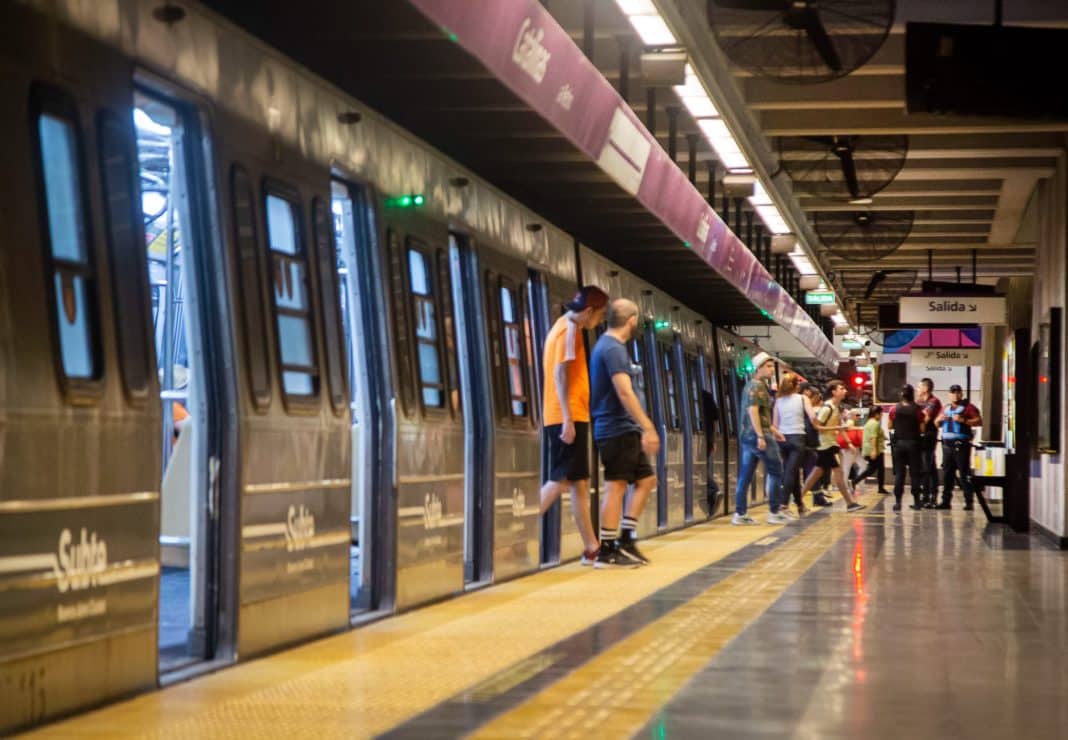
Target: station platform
{"type": "Point", "coordinates": [920, 624]}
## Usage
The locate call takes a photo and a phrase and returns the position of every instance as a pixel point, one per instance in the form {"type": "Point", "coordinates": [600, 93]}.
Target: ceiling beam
{"type": "Point", "coordinates": [822, 123]}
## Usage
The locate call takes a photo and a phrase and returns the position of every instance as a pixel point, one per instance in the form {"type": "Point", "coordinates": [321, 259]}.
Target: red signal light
{"type": "Point", "coordinates": [858, 380]}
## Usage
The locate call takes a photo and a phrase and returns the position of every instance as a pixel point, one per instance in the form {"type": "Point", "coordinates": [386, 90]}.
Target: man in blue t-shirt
{"type": "Point", "coordinates": [624, 434]}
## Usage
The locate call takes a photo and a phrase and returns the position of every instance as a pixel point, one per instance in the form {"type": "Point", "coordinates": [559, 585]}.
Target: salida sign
{"type": "Point", "coordinates": [951, 357]}
{"type": "Point", "coordinates": [928, 310]}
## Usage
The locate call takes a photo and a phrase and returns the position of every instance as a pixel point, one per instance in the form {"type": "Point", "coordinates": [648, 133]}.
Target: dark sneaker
{"type": "Point", "coordinates": [855, 507]}
{"type": "Point", "coordinates": [628, 547]}
{"type": "Point", "coordinates": [612, 557]}
{"type": "Point", "coordinates": [897, 507]}
{"type": "Point", "coordinates": [944, 506]}
{"type": "Point", "coordinates": [883, 491]}
{"type": "Point", "coordinates": [969, 507]}
{"type": "Point", "coordinates": [820, 500]}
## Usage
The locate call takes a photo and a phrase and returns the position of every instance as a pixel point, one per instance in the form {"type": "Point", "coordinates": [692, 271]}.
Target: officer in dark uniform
{"type": "Point", "coordinates": [956, 420]}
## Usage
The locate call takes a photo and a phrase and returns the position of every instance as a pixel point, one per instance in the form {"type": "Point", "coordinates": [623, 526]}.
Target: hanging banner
{"type": "Point", "coordinates": [526, 49]}
{"type": "Point", "coordinates": [953, 310]}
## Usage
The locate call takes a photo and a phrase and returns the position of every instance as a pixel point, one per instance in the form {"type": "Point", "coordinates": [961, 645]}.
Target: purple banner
{"type": "Point", "coordinates": [524, 46]}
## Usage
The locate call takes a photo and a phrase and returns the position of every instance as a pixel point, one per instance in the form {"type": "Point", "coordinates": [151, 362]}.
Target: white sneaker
{"type": "Point", "coordinates": [788, 514]}
{"type": "Point", "coordinates": [743, 520]}
{"type": "Point", "coordinates": [777, 519]}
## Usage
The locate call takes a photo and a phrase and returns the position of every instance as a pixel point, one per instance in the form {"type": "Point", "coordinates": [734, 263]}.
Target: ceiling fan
{"type": "Point", "coordinates": [842, 167]}
{"type": "Point", "coordinates": [802, 41]}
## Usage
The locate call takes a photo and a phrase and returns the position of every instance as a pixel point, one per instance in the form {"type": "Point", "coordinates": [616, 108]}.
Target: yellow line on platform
{"type": "Point", "coordinates": [616, 693]}
{"type": "Point", "coordinates": [365, 681]}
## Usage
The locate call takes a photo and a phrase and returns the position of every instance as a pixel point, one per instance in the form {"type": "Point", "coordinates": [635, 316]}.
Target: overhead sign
{"type": "Point", "coordinates": [933, 310]}
{"type": "Point", "coordinates": [952, 357]}
{"type": "Point", "coordinates": [819, 297]}
{"type": "Point", "coordinates": [851, 344]}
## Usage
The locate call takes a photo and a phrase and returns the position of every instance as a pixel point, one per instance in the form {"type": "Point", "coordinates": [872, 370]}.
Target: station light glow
{"type": "Point", "coordinates": [661, 324]}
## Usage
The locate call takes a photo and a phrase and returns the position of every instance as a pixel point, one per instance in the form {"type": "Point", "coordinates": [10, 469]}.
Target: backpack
{"type": "Point", "coordinates": [812, 436]}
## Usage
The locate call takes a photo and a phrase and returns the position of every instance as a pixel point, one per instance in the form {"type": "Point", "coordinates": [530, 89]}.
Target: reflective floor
{"type": "Point", "coordinates": [914, 625]}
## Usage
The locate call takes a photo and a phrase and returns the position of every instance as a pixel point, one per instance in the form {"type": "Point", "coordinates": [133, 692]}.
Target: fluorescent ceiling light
{"type": "Point", "coordinates": [719, 137]}
{"type": "Point", "coordinates": [838, 319]}
{"type": "Point", "coordinates": [648, 24]}
{"type": "Point", "coordinates": [693, 95]}
{"type": "Point", "coordinates": [801, 262]}
{"type": "Point", "coordinates": [637, 7]}
{"type": "Point", "coordinates": [772, 219]}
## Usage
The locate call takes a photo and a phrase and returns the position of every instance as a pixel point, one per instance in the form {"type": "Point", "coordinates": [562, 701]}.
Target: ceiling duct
{"type": "Point", "coordinates": [800, 41]}
{"type": "Point", "coordinates": [863, 236]}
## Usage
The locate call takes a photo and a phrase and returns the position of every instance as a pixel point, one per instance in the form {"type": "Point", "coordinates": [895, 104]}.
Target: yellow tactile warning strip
{"type": "Point", "coordinates": [363, 682]}
{"type": "Point", "coordinates": [616, 693]}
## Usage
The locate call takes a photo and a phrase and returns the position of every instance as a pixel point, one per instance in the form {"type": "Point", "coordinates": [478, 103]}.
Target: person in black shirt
{"type": "Point", "coordinates": [906, 426]}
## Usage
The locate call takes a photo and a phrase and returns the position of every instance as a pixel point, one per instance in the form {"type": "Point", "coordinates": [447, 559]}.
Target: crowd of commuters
{"type": "Point", "coordinates": [792, 431]}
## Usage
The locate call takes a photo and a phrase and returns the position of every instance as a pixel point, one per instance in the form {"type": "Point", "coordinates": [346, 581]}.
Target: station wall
{"type": "Point", "coordinates": [1048, 506]}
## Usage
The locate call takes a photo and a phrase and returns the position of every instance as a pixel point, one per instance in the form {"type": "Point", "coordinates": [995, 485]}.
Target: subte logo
{"type": "Point", "coordinates": [300, 528]}
{"type": "Point", "coordinates": [79, 565]}
{"type": "Point", "coordinates": [433, 511]}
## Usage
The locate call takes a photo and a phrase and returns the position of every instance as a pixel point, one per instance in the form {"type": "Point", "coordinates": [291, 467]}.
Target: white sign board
{"type": "Point", "coordinates": [952, 357]}
{"type": "Point", "coordinates": [933, 310]}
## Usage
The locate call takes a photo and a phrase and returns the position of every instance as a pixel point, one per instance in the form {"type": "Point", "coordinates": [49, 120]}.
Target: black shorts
{"type": "Point", "coordinates": [827, 459]}
{"type": "Point", "coordinates": [568, 462]}
{"type": "Point", "coordinates": [624, 458]}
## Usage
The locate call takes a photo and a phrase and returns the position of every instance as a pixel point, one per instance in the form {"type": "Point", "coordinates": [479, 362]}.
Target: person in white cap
{"type": "Point", "coordinates": [758, 440]}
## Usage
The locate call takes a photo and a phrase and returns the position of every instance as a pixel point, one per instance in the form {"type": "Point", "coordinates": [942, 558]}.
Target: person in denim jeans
{"type": "Point", "coordinates": [789, 419]}
{"type": "Point", "coordinates": [757, 440]}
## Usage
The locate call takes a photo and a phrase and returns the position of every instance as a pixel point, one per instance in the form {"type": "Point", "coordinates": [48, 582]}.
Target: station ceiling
{"type": "Point", "coordinates": [389, 56]}
{"type": "Point", "coordinates": [968, 179]}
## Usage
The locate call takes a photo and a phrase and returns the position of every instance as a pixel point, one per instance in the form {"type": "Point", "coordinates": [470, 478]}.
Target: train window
{"type": "Point", "coordinates": [333, 349]}
{"type": "Point", "coordinates": [695, 395]}
{"type": "Point", "coordinates": [292, 307]}
{"type": "Point", "coordinates": [250, 281]}
{"type": "Point", "coordinates": [445, 281]}
{"type": "Point", "coordinates": [513, 350]}
{"type": "Point", "coordinates": [669, 382]}
{"type": "Point", "coordinates": [127, 256]}
{"type": "Point", "coordinates": [73, 279]}
{"type": "Point", "coordinates": [638, 372]}
{"type": "Point", "coordinates": [526, 301]}
{"type": "Point", "coordinates": [400, 319]}
{"type": "Point", "coordinates": [427, 334]}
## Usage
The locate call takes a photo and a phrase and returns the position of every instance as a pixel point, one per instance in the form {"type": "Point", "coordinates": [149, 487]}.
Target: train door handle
{"type": "Point", "coordinates": [393, 423]}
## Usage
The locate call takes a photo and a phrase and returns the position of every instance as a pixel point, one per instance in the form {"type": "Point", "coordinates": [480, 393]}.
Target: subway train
{"type": "Point", "coordinates": [270, 365]}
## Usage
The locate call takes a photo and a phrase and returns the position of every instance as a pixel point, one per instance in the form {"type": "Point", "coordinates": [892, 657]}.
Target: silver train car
{"type": "Point", "coordinates": [270, 365]}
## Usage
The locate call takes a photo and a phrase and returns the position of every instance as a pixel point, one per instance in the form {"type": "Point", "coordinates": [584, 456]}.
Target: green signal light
{"type": "Point", "coordinates": [662, 325]}
{"type": "Point", "coordinates": [687, 245]}
{"type": "Point", "coordinates": [405, 201]}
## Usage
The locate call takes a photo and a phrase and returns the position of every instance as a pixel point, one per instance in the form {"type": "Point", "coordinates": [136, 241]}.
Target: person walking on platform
{"type": "Point", "coordinates": [828, 423]}
{"type": "Point", "coordinates": [566, 411]}
{"type": "Point", "coordinates": [813, 401]}
{"type": "Point", "coordinates": [758, 441]}
{"type": "Point", "coordinates": [931, 407]}
{"type": "Point", "coordinates": [906, 427]}
{"type": "Point", "coordinates": [625, 437]}
{"type": "Point", "coordinates": [789, 419]}
{"type": "Point", "coordinates": [871, 449]}
{"type": "Point", "coordinates": [957, 420]}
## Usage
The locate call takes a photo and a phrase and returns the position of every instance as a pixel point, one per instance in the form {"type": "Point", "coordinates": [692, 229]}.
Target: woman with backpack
{"type": "Point", "coordinates": [789, 419]}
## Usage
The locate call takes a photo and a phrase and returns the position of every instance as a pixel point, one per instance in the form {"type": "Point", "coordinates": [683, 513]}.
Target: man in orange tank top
{"type": "Point", "coordinates": [566, 410]}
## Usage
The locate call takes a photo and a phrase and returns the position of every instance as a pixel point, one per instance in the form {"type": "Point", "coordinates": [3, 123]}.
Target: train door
{"type": "Point", "coordinates": [430, 459]}
{"type": "Point", "coordinates": [193, 400]}
{"type": "Point", "coordinates": [516, 449]}
{"type": "Point", "coordinates": [369, 390]}
{"type": "Point", "coordinates": [730, 390]}
{"type": "Point", "coordinates": [715, 426]}
{"type": "Point", "coordinates": [697, 500]}
{"type": "Point", "coordinates": [673, 448]}
{"type": "Point", "coordinates": [649, 522]}
{"type": "Point", "coordinates": [559, 520]}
